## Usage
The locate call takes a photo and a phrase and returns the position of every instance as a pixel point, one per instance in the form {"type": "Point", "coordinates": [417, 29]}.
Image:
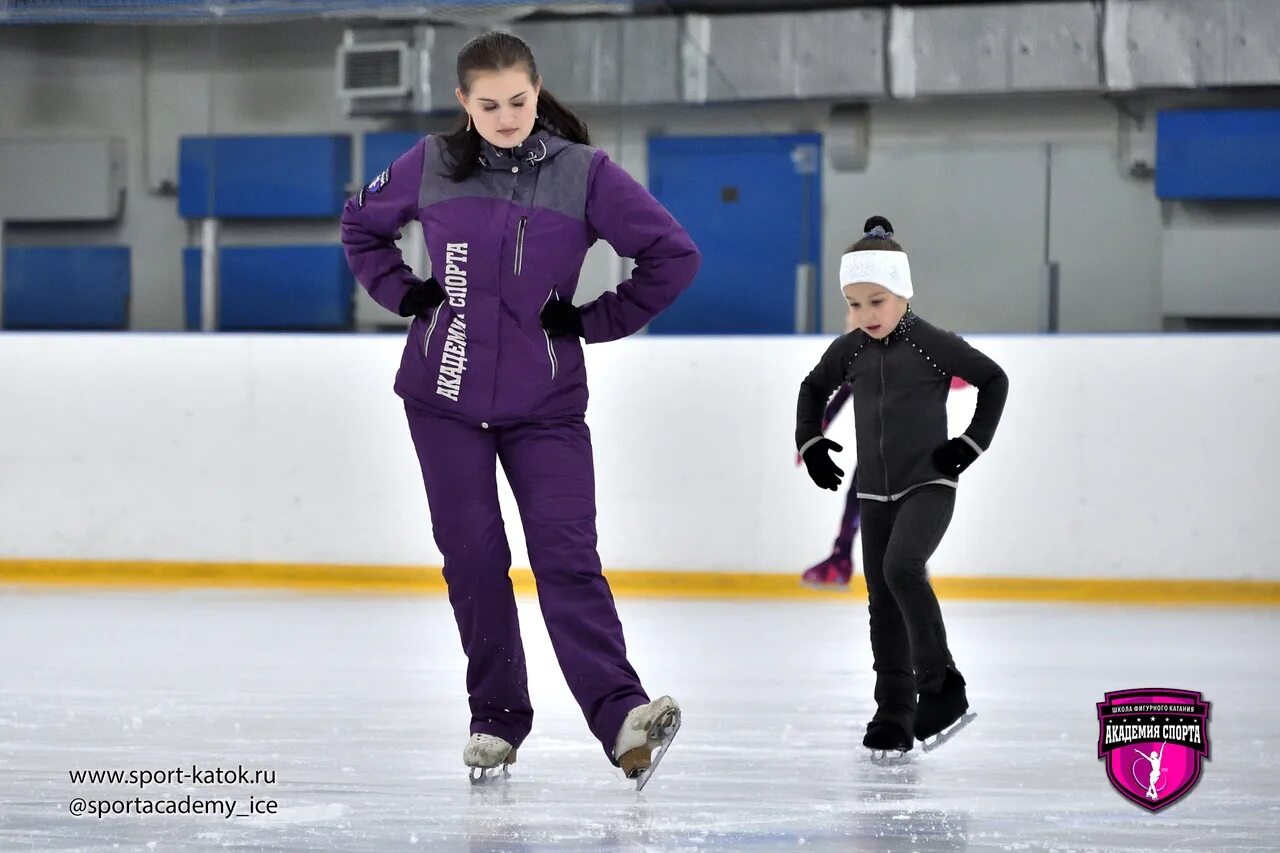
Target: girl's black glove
{"type": "Point", "coordinates": [421, 297]}
{"type": "Point", "coordinates": [825, 473]}
{"type": "Point", "coordinates": [954, 456]}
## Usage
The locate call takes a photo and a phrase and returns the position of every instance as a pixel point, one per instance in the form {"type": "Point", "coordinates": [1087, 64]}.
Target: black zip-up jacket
{"type": "Point", "coordinates": [900, 386]}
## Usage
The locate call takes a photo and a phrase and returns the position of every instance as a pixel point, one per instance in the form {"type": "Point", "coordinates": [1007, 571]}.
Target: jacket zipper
{"type": "Point", "coordinates": [426, 339]}
{"type": "Point", "coordinates": [551, 350]}
{"type": "Point", "coordinates": [884, 463]}
{"type": "Point", "coordinates": [524, 221]}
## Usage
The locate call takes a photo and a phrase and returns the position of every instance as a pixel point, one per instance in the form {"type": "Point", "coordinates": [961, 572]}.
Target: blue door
{"type": "Point", "coordinates": [753, 204]}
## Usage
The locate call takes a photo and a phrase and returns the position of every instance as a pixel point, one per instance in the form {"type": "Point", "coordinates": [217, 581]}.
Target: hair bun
{"type": "Point", "coordinates": [878, 221]}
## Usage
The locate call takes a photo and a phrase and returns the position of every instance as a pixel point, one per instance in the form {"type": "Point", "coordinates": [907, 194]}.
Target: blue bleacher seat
{"type": "Point", "coordinates": [263, 177]}
{"type": "Point", "coordinates": [66, 287]}
{"type": "Point", "coordinates": [275, 288]}
{"type": "Point", "coordinates": [1213, 155]}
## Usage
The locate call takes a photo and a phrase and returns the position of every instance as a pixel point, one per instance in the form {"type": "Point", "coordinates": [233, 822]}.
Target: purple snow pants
{"type": "Point", "coordinates": [549, 466]}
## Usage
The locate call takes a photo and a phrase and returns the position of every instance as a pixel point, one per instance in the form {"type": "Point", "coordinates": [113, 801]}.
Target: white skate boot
{"type": "Point", "coordinates": [485, 755]}
{"type": "Point", "coordinates": [646, 728]}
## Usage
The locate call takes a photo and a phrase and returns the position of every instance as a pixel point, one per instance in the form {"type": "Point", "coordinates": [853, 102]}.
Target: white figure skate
{"type": "Point", "coordinates": [887, 741]}
{"type": "Point", "coordinates": [486, 755]}
{"type": "Point", "coordinates": [645, 729]}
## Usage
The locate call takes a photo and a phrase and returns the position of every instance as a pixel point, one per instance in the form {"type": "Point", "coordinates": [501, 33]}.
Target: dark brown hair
{"type": "Point", "coordinates": [876, 243]}
{"type": "Point", "coordinates": [497, 51]}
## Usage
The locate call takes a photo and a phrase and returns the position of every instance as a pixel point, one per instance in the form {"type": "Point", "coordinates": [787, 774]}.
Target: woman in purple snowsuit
{"type": "Point", "coordinates": [493, 372]}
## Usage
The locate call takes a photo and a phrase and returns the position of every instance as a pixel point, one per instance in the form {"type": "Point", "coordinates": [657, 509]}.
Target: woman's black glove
{"type": "Point", "coordinates": [954, 456]}
{"type": "Point", "coordinates": [825, 473]}
{"type": "Point", "coordinates": [421, 298]}
{"type": "Point", "coordinates": [562, 318]}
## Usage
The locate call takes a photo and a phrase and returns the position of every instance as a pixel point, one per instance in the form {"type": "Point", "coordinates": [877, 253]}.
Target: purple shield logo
{"type": "Point", "coordinates": [1153, 742]}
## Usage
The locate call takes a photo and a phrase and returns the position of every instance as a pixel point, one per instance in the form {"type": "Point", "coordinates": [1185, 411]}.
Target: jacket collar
{"type": "Point", "coordinates": [541, 145]}
{"type": "Point", "coordinates": [904, 325]}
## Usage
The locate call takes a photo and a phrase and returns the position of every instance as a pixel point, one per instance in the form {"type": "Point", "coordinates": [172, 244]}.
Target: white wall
{"type": "Point", "coordinates": [975, 193]}
{"type": "Point", "coordinates": [960, 177]}
{"type": "Point", "coordinates": [151, 85]}
{"type": "Point", "coordinates": [1119, 456]}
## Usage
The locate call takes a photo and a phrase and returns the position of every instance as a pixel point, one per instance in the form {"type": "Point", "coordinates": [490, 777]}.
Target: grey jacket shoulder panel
{"type": "Point", "coordinates": [563, 180]}
{"type": "Point", "coordinates": [437, 186]}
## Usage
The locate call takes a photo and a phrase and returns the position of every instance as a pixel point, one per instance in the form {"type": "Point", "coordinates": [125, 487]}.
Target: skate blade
{"type": "Point", "coordinates": [480, 775]}
{"type": "Point", "coordinates": [484, 775]}
{"type": "Point", "coordinates": [664, 731]}
{"type": "Point", "coordinates": [944, 736]}
{"type": "Point", "coordinates": [889, 756]}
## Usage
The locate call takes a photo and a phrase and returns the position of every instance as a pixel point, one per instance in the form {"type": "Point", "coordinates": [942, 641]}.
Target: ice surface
{"type": "Point", "coordinates": [357, 704]}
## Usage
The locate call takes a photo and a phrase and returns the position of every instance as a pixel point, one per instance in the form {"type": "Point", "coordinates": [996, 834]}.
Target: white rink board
{"type": "Point", "coordinates": [1119, 456]}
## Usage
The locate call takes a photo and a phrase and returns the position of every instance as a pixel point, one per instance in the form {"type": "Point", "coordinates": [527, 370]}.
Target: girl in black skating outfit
{"type": "Point", "coordinates": [900, 369]}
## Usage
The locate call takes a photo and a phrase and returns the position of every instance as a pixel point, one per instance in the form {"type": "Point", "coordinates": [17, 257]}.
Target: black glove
{"type": "Point", "coordinates": [822, 470]}
{"type": "Point", "coordinates": [421, 298]}
{"type": "Point", "coordinates": [954, 456]}
{"type": "Point", "coordinates": [561, 318]}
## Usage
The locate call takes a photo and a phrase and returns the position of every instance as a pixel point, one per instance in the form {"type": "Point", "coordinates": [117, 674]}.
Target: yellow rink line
{"type": "Point", "coordinates": [383, 580]}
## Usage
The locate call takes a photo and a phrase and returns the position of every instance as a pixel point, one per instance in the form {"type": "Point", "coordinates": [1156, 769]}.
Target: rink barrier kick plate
{"type": "Point", "coordinates": [381, 580]}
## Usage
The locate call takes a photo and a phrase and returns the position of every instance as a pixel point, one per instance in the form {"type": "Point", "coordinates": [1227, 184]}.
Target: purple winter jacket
{"type": "Point", "coordinates": [502, 243]}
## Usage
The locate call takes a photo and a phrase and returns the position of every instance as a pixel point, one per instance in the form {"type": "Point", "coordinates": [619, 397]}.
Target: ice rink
{"type": "Point", "coordinates": [357, 706]}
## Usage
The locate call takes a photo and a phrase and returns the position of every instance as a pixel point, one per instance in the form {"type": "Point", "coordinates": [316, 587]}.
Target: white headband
{"type": "Point", "coordinates": [890, 270]}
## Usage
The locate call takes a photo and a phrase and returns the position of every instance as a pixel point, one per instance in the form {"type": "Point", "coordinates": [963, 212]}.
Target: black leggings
{"type": "Point", "coordinates": [908, 639]}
